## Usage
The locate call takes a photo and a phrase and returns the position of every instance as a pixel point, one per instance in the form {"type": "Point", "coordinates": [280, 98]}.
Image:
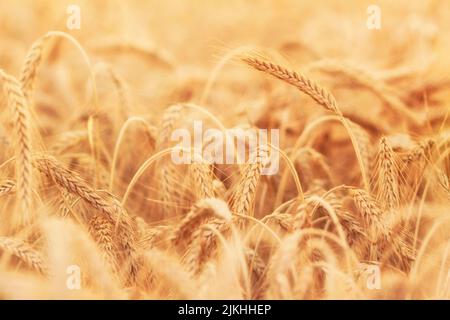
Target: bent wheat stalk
{"type": "Point", "coordinates": [366, 79]}
{"type": "Point", "coordinates": [244, 195]}
{"type": "Point", "coordinates": [170, 118]}
{"type": "Point", "coordinates": [303, 83]}
{"type": "Point", "coordinates": [34, 58]}
{"type": "Point", "coordinates": [103, 232]}
{"type": "Point", "coordinates": [7, 187]}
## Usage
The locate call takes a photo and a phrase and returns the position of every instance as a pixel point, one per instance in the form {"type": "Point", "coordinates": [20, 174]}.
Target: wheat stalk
{"type": "Point", "coordinates": [201, 211]}
{"type": "Point", "coordinates": [244, 194]}
{"type": "Point", "coordinates": [7, 187]}
{"type": "Point", "coordinates": [203, 179]}
{"type": "Point", "coordinates": [66, 202]}
{"type": "Point", "coordinates": [119, 84]}
{"type": "Point", "coordinates": [422, 151]}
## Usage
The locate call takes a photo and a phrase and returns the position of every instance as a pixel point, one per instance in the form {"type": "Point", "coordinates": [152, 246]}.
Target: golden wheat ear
{"type": "Point", "coordinates": [387, 176]}
{"type": "Point", "coordinates": [7, 187]}
{"type": "Point", "coordinates": [24, 150]}
{"type": "Point", "coordinates": [202, 211]}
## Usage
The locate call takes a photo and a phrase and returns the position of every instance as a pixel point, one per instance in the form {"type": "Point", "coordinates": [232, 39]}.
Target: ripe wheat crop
{"type": "Point", "coordinates": [94, 206]}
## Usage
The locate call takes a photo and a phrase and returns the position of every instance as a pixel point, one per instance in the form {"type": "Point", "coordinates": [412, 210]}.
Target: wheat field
{"type": "Point", "coordinates": [92, 207]}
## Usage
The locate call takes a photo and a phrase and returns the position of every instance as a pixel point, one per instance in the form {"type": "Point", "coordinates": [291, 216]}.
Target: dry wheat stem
{"type": "Point", "coordinates": [221, 230]}
{"type": "Point", "coordinates": [170, 118]}
{"type": "Point", "coordinates": [7, 187]}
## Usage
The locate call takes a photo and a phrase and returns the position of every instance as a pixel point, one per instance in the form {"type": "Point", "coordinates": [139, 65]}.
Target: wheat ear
{"type": "Point", "coordinates": [111, 209]}
{"type": "Point", "coordinates": [203, 179]}
{"type": "Point", "coordinates": [317, 93]}
{"type": "Point", "coordinates": [257, 268]}
{"type": "Point", "coordinates": [102, 231]}
{"type": "Point", "coordinates": [244, 194]}
{"type": "Point", "coordinates": [200, 212]}
{"type": "Point", "coordinates": [25, 253]}
{"type": "Point", "coordinates": [22, 119]}
{"type": "Point", "coordinates": [388, 191]}
{"type": "Point", "coordinates": [372, 215]}
{"type": "Point", "coordinates": [30, 66]}
{"type": "Point", "coordinates": [7, 187]}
